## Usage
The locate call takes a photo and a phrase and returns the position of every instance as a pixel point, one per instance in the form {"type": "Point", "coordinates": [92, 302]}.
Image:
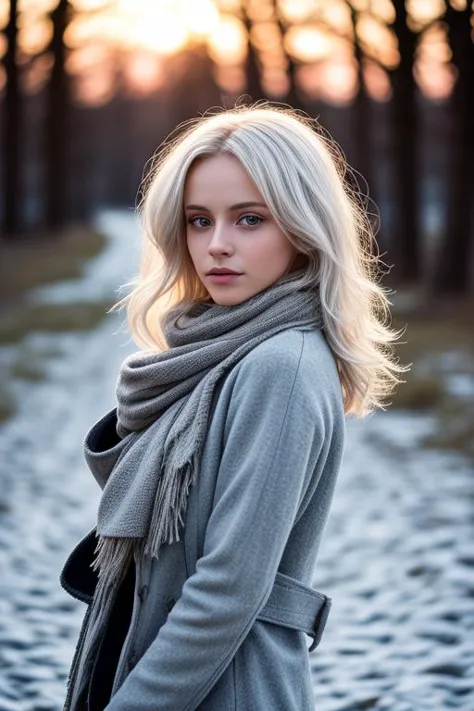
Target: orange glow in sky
{"type": "Point", "coordinates": [146, 31]}
{"type": "Point", "coordinates": [309, 43]}
{"type": "Point", "coordinates": [227, 45]}
{"type": "Point", "coordinates": [167, 25]}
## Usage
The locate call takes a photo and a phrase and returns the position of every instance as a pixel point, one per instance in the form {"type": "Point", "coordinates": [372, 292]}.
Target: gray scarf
{"type": "Point", "coordinates": [164, 400]}
{"type": "Point", "coordinates": [204, 343]}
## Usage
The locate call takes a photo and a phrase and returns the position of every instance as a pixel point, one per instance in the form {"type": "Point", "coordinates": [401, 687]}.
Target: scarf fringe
{"type": "Point", "coordinates": [113, 556]}
{"type": "Point", "coordinates": [171, 498]}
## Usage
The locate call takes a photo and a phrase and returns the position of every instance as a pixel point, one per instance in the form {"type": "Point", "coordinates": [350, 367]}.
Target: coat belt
{"type": "Point", "coordinates": [291, 603]}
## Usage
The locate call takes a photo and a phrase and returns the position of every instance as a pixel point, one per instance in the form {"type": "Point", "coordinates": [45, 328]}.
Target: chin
{"type": "Point", "coordinates": [229, 296]}
{"type": "Point", "coordinates": [228, 299]}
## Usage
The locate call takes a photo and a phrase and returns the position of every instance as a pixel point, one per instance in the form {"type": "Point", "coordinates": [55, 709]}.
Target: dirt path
{"type": "Point", "coordinates": [396, 558]}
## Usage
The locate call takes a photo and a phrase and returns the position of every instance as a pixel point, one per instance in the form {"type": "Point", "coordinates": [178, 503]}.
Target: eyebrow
{"type": "Point", "coordinates": [237, 206]}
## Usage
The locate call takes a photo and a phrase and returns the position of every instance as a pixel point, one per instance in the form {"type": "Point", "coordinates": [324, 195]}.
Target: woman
{"type": "Point", "coordinates": [219, 461]}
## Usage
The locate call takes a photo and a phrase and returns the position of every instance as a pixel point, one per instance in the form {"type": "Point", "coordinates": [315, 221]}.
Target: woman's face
{"type": "Point", "coordinates": [228, 225]}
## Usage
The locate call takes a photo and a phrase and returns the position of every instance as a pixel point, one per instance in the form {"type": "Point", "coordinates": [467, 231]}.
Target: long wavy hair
{"type": "Point", "coordinates": [302, 175]}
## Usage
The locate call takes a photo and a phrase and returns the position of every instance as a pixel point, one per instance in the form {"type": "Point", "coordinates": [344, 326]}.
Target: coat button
{"type": "Point", "coordinates": [170, 604]}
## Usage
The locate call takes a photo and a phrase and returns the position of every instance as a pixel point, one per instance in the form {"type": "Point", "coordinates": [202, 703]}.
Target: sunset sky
{"type": "Point", "coordinates": [138, 36]}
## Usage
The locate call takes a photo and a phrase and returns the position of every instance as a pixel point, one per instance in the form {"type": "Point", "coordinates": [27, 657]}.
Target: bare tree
{"type": "Point", "coordinates": [454, 258]}
{"type": "Point", "coordinates": [252, 65]}
{"type": "Point", "coordinates": [11, 130]}
{"type": "Point", "coordinates": [292, 97]}
{"type": "Point", "coordinates": [362, 109]}
{"type": "Point", "coordinates": [407, 243]}
{"type": "Point", "coordinates": [57, 116]}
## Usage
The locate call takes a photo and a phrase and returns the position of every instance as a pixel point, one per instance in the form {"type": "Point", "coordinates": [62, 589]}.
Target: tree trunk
{"type": "Point", "coordinates": [406, 232]}
{"type": "Point", "coordinates": [57, 123]}
{"type": "Point", "coordinates": [292, 97]}
{"type": "Point", "coordinates": [454, 257]}
{"type": "Point", "coordinates": [252, 64]}
{"type": "Point", "coordinates": [362, 126]}
{"type": "Point", "coordinates": [11, 131]}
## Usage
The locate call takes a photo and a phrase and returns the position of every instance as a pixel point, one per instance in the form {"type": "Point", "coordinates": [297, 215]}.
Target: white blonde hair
{"type": "Point", "coordinates": [301, 176]}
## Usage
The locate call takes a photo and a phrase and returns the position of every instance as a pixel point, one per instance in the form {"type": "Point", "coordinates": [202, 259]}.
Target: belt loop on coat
{"type": "Point", "coordinates": [320, 623]}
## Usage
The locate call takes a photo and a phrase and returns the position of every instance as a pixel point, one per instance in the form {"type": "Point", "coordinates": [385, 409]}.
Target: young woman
{"type": "Point", "coordinates": [258, 313]}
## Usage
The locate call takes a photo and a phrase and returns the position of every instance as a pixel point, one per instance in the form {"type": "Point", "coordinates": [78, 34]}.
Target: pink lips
{"type": "Point", "coordinates": [223, 278]}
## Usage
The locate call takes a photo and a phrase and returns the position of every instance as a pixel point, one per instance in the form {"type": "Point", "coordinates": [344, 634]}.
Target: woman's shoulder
{"type": "Point", "coordinates": [295, 354]}
{"type": "Point", "coordinates": [293, 348]}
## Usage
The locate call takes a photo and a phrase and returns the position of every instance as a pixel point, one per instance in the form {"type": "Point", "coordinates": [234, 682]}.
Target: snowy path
{"type": "Point", "coordinates": [397, 556]}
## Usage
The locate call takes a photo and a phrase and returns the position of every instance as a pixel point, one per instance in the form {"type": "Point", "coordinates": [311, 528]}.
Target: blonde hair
{"type": "Point", "coordinates": [301, 176]}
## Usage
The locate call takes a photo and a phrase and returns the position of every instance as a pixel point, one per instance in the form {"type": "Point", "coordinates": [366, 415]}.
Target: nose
{"type": "Point", "coordinates": [220, 242]}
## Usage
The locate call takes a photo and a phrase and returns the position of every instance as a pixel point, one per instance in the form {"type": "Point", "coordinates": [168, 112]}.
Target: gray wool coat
{"type": "Point", "coordinates": [221, 621]}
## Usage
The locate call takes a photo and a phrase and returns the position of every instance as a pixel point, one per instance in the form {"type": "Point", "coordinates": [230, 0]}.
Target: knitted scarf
{"type": "Point", "coordinates": [164, 399]}
{"type": "Point", "coordinates": [204, 343]}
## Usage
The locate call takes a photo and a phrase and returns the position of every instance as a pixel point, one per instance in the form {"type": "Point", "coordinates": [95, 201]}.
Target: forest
{"type": "Point", "coordinates": [89, 92]}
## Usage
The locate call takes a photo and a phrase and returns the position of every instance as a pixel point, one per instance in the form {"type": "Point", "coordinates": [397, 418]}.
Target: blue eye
{"type": "Point", "coordinates": [192, 220]}
{"type": "Point", "coordinates": [256, 221]}
{"type": "Point", "coordinates": [252, 217]}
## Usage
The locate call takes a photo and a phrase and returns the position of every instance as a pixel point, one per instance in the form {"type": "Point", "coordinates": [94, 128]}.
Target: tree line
{"type": "Point", "coordinates": [62, 159]}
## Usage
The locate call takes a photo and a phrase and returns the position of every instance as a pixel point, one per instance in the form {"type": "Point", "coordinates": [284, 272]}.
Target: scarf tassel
{"type": "Point", "coordinates": [171, 501]}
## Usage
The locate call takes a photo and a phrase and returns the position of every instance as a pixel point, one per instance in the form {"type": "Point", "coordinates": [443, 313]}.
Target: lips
{"type": "Point", "coordinates": [222, 272]}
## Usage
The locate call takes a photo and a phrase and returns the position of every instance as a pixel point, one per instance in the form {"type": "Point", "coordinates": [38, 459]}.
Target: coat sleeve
{"type": "Point", "coordinates": [273, 437]}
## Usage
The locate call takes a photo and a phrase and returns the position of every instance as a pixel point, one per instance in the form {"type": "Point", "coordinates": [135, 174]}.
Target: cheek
{"type": "Point", "coordinates": [191, 245]}
{"type": "Point", "coordinates": [191, 254]}
{"type": "Point", "coordinates": [267, 243]}
{"type": "Point", "coordinates": [282, 246]}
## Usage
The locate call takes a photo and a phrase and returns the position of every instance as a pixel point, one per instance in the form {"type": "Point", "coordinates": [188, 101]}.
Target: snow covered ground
{"type": "Point", "coordinates": [397, 557]}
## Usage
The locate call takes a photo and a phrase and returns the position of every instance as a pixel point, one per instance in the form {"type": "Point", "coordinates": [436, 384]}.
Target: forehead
{"type": "Point", "coordinates": [215, 177]}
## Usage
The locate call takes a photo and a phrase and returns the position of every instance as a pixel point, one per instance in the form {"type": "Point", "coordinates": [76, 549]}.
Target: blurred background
{"type": "Point", "coordinates": [88, 90]}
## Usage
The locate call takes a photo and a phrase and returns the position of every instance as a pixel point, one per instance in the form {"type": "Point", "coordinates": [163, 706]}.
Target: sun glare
{"type": "Point", "coordinates": [200, 17]}
{"type": "Point", "coordinates": [34, 37]}
{"type": "Point", "coordinates": [88, 5]}
{"type": "Point", "coordinates": [38, 6]}
{"type": "Point", "coordinates": [144, 72]}
{"type": "Point", "coordinates": [318, 37]}
{"type": "Point", "coordinates": [423, 11]}
{"type": "Point", "coordinates": [228, 44]}
{"type": "Point", "coordinates": [296, 10]}
{"type": "Point", "coordinates": [166, 26]}
{"type": "Point", "coordinates": [309, 43]}
{"type": "Point", "coordinates": [378, 38]}
{"type": "Point", "coordinates": [338, 81]}
{"type": "Point", "coordinates": [161, 33]}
